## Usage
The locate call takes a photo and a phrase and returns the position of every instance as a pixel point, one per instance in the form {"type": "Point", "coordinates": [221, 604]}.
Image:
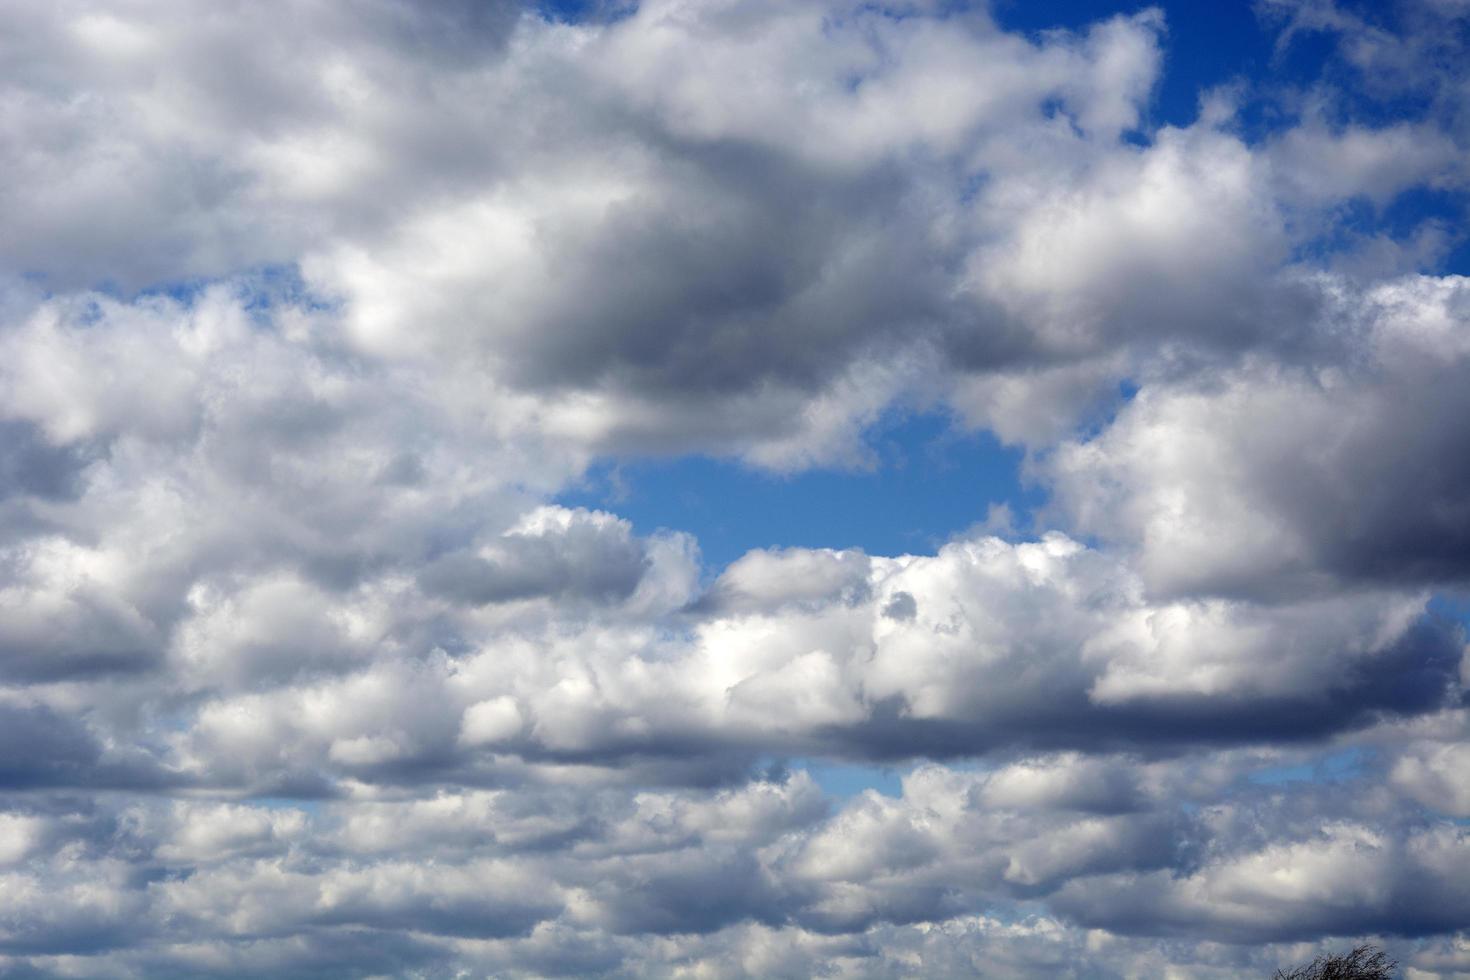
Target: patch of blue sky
{"type": "Point", "coordinates": [1209, 46]}
{"type": "Point", "coordinates": [928, 483]}
{"type": "Point", "coordinates": [1457, 260]}
{"type": "Point", "coordinates": [578, 11]}
{"type": "Point", "coordinates": [1453, 606]}
{"type": "Point", "coordinates": [846, 780]}
{"type": "Point", "coordinates": [1416, 207]}
{"type": "Point", "coordinates": [1334, 767]}
{"type": "Point", "coordinates": [312, 808]}
{"type": "Point", "coordinates": [260, 288]}
{"type": "Point", "coordinates": [1440, 212]}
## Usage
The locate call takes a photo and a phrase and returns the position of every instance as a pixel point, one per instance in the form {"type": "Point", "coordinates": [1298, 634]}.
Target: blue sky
{"type": "Point", "coordinates": [925, 480]}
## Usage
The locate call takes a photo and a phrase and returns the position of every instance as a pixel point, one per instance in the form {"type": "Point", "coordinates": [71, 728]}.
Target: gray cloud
{"type": "Point", "coordinates": [575, 555]}
{"type": "Point", "coordinates": [1269, 479]}
{"type": "Point", "coordinates": [31, 465]}
{"type": "Point", "coordinates": [770, 869]}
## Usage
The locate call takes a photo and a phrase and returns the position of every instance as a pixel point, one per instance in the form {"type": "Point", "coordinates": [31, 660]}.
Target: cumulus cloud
{"type": "Point", "coordinates": [981, 648]}
{"type": "Point", "coordinates": [1273, 479]}
{"type": "Point", "coordinates": [768, 873]}
{"type": "Point", "coordinates": [308, 318]}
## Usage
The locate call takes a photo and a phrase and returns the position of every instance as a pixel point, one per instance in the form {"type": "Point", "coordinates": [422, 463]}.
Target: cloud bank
{"type": "Point", "coordinates": [308, 315]}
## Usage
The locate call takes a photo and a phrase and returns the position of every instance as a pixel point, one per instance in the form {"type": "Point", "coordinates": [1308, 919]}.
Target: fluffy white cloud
{"type": "Point", "coordinates": [307, 315]}
{"type": "Point", "coordinates": [983, 646]}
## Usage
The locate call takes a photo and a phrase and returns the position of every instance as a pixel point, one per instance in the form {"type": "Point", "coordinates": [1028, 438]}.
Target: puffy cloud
{"type": "Point", "coordinates": [1273, 479]}
{"type": "Point", "coordinates": [307, 318]}
{"type": "Point", "coordinates": [1346, 879]}
{"type": "Point", "coordinates": [634, 247]}
{"type": "Point", "coordinates": [770, 876]}
{"type": "Point", "coordinates": [1041, 644]}
{"type": "Point", "coordinates": [1435, 774]}
{"type": "Point", "coordinates": [551, 552]}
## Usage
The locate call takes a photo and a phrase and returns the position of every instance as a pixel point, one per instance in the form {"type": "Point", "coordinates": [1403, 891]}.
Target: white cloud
{"type": "Point", "coordinates": [307, 316]}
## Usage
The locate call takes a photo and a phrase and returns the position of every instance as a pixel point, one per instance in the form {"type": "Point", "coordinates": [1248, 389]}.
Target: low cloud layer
{"type": "Point", "coordinates": [307, 320]}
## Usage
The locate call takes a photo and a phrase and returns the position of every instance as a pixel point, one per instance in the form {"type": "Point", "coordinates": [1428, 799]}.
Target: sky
{"type": "Point", "coordinates": [735, 488]}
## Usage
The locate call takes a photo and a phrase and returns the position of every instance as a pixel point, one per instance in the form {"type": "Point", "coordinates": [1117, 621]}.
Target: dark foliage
{"type": "Point", "coordinates": [1366, 962]}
